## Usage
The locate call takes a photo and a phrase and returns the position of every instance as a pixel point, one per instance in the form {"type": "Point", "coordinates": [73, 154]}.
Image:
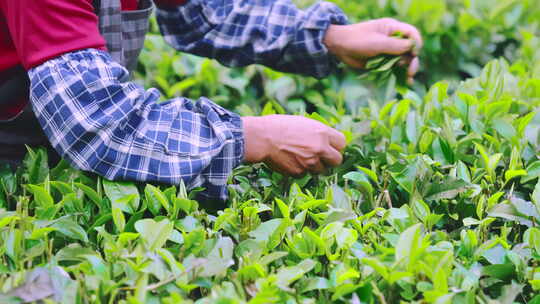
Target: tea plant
{"type": "Point", "coordinates": [437, 201]}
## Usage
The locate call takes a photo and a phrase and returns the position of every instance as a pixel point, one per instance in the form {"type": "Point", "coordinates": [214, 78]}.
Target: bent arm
{"type": "Point", "coordinates": [103, 124]}
{"type": "Point", "coordinates": [121, 131]}
{"type": "Point", "coordinates": [274, 33]}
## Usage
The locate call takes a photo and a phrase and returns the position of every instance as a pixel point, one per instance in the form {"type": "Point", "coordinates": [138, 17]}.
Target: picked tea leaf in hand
{"type": "Point", "coordinates": [381, 67]}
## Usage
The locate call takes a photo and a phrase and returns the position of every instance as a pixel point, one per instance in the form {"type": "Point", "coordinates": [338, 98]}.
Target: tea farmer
{"type": "Point", "coordinates": [64, 80]}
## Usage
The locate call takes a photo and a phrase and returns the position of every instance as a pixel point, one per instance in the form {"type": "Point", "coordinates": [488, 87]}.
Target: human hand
{"type": "Point", "coordinates": [292, 145]}
{"type": "Point", "coordinates": [355, 44]}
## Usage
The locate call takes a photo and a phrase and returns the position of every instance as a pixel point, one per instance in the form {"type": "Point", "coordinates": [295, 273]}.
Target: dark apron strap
{"type": "Point", "coordinates": [15, 87]}
{"type": "Point", "coordinates": [97, 6]}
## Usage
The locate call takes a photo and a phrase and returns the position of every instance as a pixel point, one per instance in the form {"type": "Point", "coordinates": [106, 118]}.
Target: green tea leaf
{"type": "Point", "coordinates": [287, 275]}
{"type": "Point", "coordinates": [123, 195]}
{"type": "Point", "coordinates": [155, 199]}
{"type": "Point", "coordinates": [119, 219]}
{"type": "Point", "coordinates": [70, 229]}
{"type": "Point", "coordinates": [41, 196]}
{"type": "Point", "coordinates": [219, 259]}
{"type": "Point", "coordinates": [154, 234]}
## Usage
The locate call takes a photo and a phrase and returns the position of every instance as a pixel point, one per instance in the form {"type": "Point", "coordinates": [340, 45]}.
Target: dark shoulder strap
{"type": "Point", "coordinates": [97, 6]}
{"type": "Point", "coordinates": [16, 86]}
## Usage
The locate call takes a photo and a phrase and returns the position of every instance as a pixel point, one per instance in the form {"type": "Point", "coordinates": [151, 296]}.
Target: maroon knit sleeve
{"type": "Point", "coordinates": [45, 29]}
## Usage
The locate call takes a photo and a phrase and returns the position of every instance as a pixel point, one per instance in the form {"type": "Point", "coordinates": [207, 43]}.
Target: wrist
{"type": "Point", "coordinates": [256, 141]}
{"type": "Point", "coordinates": [332, 39]}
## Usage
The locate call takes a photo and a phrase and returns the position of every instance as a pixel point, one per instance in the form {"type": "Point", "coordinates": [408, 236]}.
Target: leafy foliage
{"type": "Point", "coordinates": [438, 200]}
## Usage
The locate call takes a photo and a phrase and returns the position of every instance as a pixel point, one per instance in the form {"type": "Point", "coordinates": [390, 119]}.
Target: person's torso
{"type": "Point", "coordinates": [122, 23]}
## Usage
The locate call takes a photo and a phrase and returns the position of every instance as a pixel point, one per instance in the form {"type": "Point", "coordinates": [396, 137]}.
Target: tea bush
{"type": "Point", "coordinates": [438, 199]}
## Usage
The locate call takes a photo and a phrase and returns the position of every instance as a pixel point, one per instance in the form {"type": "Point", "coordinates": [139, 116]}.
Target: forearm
{"type": "Point", "coordinates": [273, 33]}
{"type": "Point", "coordinates": [120, 131]}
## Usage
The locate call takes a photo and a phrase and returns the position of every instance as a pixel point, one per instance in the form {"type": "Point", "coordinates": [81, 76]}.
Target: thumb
{"type": "Point", "coordinates": [395, 46]}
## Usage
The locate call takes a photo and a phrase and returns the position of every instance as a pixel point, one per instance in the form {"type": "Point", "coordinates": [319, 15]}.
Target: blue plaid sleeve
{"type": "Point", "coordinates": [274, 33]}
{"type": "Point", "coordinates": [103, 124]}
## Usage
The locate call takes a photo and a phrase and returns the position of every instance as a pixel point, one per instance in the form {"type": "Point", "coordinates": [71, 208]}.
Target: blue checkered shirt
{"type": "Point", "coordinates": [104, 124]}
